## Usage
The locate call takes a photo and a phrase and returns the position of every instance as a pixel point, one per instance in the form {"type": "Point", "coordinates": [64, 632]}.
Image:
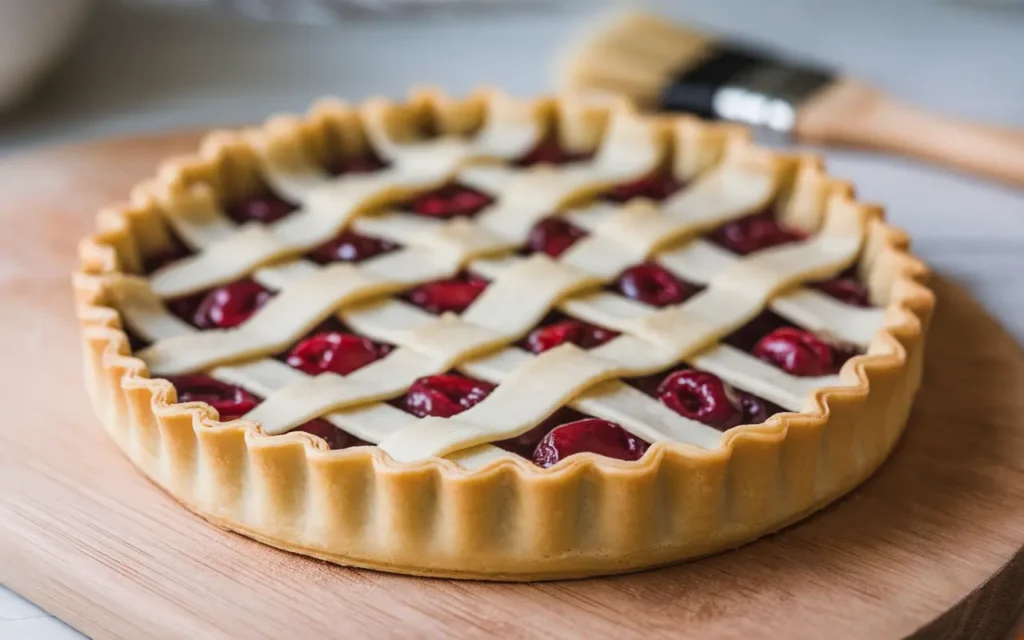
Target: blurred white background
{"type": "Point", "coordinates": [162, 64]}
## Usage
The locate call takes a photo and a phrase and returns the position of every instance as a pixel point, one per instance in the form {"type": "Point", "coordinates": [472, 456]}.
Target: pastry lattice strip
{"type": "Point", "coordinates": [448, 248]}
{"type": "Point", "coordinates": [352, 380]}
{"type": "Point", "coordinates": [206, 341]}
{"type": "Point", "coordinates": [653, 341]}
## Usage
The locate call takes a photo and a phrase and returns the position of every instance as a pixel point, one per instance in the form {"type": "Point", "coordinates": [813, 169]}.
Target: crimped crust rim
{"type": "Point", "coordinates": [906, 319]}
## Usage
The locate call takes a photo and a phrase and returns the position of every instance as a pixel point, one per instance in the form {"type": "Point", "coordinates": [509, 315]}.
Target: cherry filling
{"type": "Point", "coordinates": [450, 201]}
{"type": "Point", "coordinates": [230, 401]}
{"type": "Point", "coordinates": [756, 410]}
{"type": "Point", "coordinates": [525, 444]}
{"type": "Point", "coordinates": [549, 151]}
{"type": "Point", "coordinates": [334, 351]}
{"type": "Point", "coordinates": [451, 295]}
{"type": "Point", "coordinates": [656, 186]}
{"type": "Point", "coordinates": [365, 163]}
{"type": "Point", "coordinates": [233, 402]}
{"type": "Point", "coordinates": [449, 394]}
{"type": "Point", "coordinates": [754, 233]}
{"type": "Point", "coordinates": [135, 341]}
{"type": "Point", "coordinates": [226, 306]}
{"type": "Point", "coordinates": [579, 333]}
{"type": "Point", "coordinates": [589, 435]}
{"type": "Point", "coordinates": [185, 306]}
{"type": "Point", "coordinates": [349, 246]}
{"type": "Point", "coordinates": [652, 284]}
{"type": "Point", "coordinates": [445, 395]}
{"type": "Point", "coordinates": [747, 336]}
{"type": "Point", "coordinates": [706, 398]}
{"type": "Point", "coordinates": [334, 437]}
{"type": "Point", "coordinates": [264, 209]}
{"type": "Point", "coordinates": [553, 236]}
{"type": "Point", "coordinates": [845, 289]}
{"type": "Point", "coordinates": [176, 251]}
{"type": "Point", "coordinates": [801, 353]}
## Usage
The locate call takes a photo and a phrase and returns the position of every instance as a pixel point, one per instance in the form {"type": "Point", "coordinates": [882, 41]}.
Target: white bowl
{"type": "Point", "coordinates": [33, 34]}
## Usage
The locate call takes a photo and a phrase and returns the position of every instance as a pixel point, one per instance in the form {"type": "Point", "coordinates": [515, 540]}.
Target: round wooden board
{"type": "Point", "coordinates": [931, 545]}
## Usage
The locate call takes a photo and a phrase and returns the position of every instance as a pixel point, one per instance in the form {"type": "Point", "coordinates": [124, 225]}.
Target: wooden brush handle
{"type": "Point", "coordinates": [851, 114]}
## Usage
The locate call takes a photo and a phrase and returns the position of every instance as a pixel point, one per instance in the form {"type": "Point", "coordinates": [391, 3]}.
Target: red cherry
{"type": "Point", "coordinates": [848, 290]}
{"type": "Point", "coordinates": [754, 233]}
{"type": "Point", "coordinates": [653, 284]}
{"type": "Point", "coordinates": [656, 186]}
{"type": "Point", "coordinates": [553, 236]}
{"type": "Point", "coordinates": [445, 395]}
{"type": "Point", "coordinates": [334, 351]}
{"type": "Point", "coordinates": [230, 305]}
{"type": "Point", "coordinates": [264, 209]}
{"type": "Point", "coordinates": [756, 410]}
{"type": "Point", "coordinates": [185, 306]}
{"type": "Point", "coordinates": [349, 246]}
{"type": "Point", "coordinates": [591, 434]}
{"type": "Point", "coordinates": [336, 438]}
{"type": "Point", "coordinates": [366, 163]}
{"type": "Point", "coordinates": [795, 351]}
{"type": "Point", "coordinates": [581, 334]}
{"type": "Point", "coordinates": [450, 201]}
{"type": "Point", "coordinates": [548, 151]}
{"type": "Point", "coordinates": [230, 401]}
{"type": "Point", "coordinates": [454, 294]}
{"type": "Point", "coordinates": [703, 397]}
{"type": "Point", "coordinates": [525, 444]}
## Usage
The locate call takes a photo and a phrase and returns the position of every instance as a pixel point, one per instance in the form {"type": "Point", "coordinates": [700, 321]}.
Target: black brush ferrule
{"type": "Point", "coordinates": [744, 85]}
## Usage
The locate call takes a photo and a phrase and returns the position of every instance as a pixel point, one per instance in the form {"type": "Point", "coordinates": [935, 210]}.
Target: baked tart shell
{"type": "Point", "coordinates": [509, 520]}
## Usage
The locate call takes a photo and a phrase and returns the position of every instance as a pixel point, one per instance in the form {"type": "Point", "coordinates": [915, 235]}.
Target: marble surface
{"type": "Point", "coordinates": [22, 620]}
{"type": "Point", "coordinates": [140, 70]}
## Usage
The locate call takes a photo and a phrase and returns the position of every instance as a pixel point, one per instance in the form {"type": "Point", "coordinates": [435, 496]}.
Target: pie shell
{"type": "Point", "coordinates": [510, 520]}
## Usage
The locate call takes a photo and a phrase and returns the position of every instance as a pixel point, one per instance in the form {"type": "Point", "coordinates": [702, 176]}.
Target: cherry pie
{"type": "Point", "coordinates": [502, 339]}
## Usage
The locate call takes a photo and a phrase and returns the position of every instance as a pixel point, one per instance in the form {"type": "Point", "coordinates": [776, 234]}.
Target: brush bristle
{"type": "Point", "coordinates": [634, 54]}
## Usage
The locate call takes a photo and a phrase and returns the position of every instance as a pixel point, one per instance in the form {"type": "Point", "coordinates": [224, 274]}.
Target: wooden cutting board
{"type": "Point", "coordinates": [931, 545]}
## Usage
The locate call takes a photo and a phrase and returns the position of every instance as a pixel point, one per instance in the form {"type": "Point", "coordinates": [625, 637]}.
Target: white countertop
{"type": "Point", "coordinates": [144, 70]}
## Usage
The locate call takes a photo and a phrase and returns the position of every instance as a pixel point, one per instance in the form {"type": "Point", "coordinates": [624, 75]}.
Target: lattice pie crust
{"type": "Point", "coordinates": [434, 497]}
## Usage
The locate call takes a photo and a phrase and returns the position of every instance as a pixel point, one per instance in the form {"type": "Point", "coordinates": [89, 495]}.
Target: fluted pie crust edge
{"type": "Point", "coordinates": [509, 520]}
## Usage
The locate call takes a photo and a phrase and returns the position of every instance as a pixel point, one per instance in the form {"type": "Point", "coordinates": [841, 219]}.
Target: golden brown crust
{"type": "Point", "coordinates": [508, 520]}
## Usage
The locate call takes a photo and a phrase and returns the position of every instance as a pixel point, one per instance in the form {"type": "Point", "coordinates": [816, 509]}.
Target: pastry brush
{"type": "Point", "coordinates": [665, 66]}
